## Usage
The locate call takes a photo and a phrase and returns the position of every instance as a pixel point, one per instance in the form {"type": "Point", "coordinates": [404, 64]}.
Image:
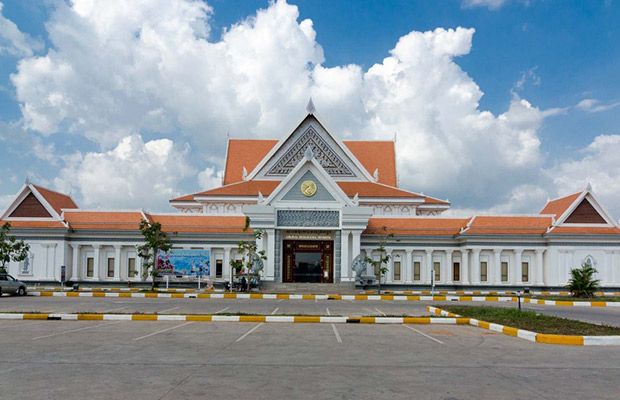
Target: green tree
{"type": "Point", "coordinates": [249, 253]}
{"type": "Point", "coordinates": [11, 249]}
{"type": "Point", "coordinates": [154, 240]}
{"type": "Point", "coordinates": [380, 265]}
{"type": "Point", "coordinates": [582, 282]}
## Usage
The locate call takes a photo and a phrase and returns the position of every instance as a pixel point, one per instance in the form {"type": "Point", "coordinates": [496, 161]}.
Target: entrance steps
{"type": "Point", "coordinates": [309, 288]}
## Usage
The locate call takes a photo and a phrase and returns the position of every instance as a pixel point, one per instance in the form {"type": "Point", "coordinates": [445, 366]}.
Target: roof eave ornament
{"type": "Point", "coordinates": [356, 199]}
{"type": "Point", "coordinates": [261, 199]}
{"type": "Point", "coordinates": [310, 107]}
{"type": "Point", "coordinates": [589, 187]}
{"type": "Point", "coordinates": [376, 175]}
{"type": "Point", "coordinates": [309, 153]}
{"type": "Point", "coordinates": [244, 175]}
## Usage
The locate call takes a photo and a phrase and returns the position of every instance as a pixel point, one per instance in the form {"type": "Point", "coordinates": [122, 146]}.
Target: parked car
{"type": "Point", "coordinates": [8, 284]}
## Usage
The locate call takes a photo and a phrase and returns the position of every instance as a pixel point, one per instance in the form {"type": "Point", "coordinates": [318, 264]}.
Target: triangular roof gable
{"type": "Point", "coordinates": [592, 206]}
{"type": "Point", "coordinates": [332, 153]}
{"type": "Point", "coordinates": [323, 179]}
{"type": "Point", "coordinates": [30, 194]}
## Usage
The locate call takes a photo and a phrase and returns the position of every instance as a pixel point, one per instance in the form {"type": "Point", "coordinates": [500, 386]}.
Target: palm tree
{"type": "Point", "coordinates": [582, 282]}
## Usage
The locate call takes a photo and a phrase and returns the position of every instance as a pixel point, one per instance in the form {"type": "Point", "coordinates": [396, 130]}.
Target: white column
{"type": "Point", "coordinates": [427, 272]}
{"type": "Point", "coordinates": [497, 267]}
{"type": "Point", "coordinates": [516, 276]}
{"type": "Point", "coordinates": [271, 254]}
{"type": "Point", "coordinates": [465, 266]}
{"type": "Point", "coordinates": [75, 263]}
{"type": "Point", "coordinates": [226, 263]}
{"type": "Point", "coordinates": [390, 265]}
{"type": "Point", "coordinates": [356, 236]}
{"type": "Point", "coordinates": [344, 256]}
{"type": "Point", "coordinates": [616, 268]}
{"type": "Point", "coordinates": [448, 274]}
{"type": "Point", "coordinates": [476, 268]}
{"type": "Point", "coordinates": [408, 266]}
{"type": "Point", "coordinates": [97, 257]}
{"type": "Point", "coordinates": [607, 279]}
{"type": "Point", "coordinates": [570, 265]}
{"type": "Point", "coordinates": [117, 262]}
{"type": "Point", "coordinates": [539, 267]}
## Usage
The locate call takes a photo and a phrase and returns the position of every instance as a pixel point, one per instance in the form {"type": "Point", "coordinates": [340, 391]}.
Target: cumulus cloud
{"type": "Point", "coordinates": [598, 166]}
{"type": "Point", "coordinates": [15, 42]}
{"type": "Point", "coordinates": [134, 174]}
{"type": "Point", "coordinates": [117, 68]}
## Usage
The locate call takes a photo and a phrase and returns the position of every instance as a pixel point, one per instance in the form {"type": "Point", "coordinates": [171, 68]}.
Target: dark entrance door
{"type": "Point", "coordinates": [308, 261]}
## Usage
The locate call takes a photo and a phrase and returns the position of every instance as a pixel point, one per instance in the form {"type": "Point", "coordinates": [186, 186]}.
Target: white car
{"type": "Point", "coordinates": [8, 284]}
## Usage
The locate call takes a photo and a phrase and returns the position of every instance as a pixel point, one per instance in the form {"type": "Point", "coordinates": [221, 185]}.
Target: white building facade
{"type": "Point", "coordinates": [321, 202]}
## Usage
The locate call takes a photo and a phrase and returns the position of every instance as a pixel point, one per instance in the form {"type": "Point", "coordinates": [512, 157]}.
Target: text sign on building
{"type": "Point", "coordinates": [309, 218]}
{"type": "Point", "coordinates": [308, 235]}
{"type": "Point", "coordinates": [184, 262]}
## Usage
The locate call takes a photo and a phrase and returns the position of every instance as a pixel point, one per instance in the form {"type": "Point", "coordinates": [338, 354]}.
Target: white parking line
{"type": "Point", "coordinates": [327, 309]}
{"type": "Point", "coordinates": [114, 309]}
{"type": "Point", "coordinates": [423, 334]}
{"type": "Point", "coordinates": [352, 301]}
{"type": "Point", "coordinates": [380, 312]}
{"type": "Point", "coordinates": [336, 333]}
{"type": "Point", "coordinates": [222, 310]}
{"type": "Point", "coordinates": [170, 309]}
{"type": "Point", "coordinates": [248, 332]}
{"type": "Point", "coordinates": [274, 311]}
{"type": "Point", "coordinates": [369, 310]}
{"type": "Point", "coordinates": [281, 300]}
{"type": "Point", "coordinates": [163, 330]}
{"type": "Point", "coordinates": [75, 330]}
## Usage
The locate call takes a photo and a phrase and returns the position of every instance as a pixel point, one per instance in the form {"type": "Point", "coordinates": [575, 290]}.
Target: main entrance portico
{"type": "Point", "coordinates": [308, 261]}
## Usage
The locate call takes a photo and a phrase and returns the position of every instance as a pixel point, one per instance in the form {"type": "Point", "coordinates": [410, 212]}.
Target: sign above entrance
{"type": "Point", "coordinates": [308, 235]}
{"type": "Point", "coordinates": [308, 218]}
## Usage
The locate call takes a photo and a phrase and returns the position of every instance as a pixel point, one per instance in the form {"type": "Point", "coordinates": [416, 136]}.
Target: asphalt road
{"type": "Point", "coordinates": [172, 360]}
{"type": "Point", "coordinates": [598, 315]}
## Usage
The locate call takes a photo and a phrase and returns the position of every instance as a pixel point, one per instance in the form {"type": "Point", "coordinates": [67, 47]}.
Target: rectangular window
{"type": "Point", "coordinates": [525, 272]}
{"type": "Point", "coordinates": [437, 267]}
{"type": "Point", "coordinates": [90, 267]}
{"type": "Point", "coordinates": [504, 271]}
{"type": "Point", "coordinates": [396, 270]}
{"type": "Point", "coordinates": [110, 268]}
{"type": "Point", "coordinates": [131, 267]}
{"type": "Point", "coordinates": [218, 268]}
{"type": "Point", "coordinates": [416, 270]}
{"type": "Point", "coordinates": [483, 271]}
{"type": "Point", "coordinates": [456, 271]}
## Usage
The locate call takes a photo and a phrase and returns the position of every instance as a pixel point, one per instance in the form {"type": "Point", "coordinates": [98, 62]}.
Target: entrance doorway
{"type": "Point", "coordinates": [308, 261]}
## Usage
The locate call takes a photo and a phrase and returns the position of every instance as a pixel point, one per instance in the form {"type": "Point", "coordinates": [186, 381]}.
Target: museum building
{"type": "Point", "coordinates": [321, 202]}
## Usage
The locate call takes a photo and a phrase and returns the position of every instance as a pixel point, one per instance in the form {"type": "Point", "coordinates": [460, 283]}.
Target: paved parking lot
{"type": "Point", "coordinates": [172, 360]}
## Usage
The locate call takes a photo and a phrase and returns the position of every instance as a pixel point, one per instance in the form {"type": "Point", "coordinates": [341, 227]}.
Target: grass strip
{"type": "Point", "coordinates": [531, 321]}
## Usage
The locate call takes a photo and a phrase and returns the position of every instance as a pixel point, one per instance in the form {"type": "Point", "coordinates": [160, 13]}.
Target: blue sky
{"type": "Point", "coordinates": [562, 58]}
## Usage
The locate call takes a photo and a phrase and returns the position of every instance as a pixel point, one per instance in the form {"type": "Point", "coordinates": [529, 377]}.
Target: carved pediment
{"type": "Point", "coordinates": [322, 151]}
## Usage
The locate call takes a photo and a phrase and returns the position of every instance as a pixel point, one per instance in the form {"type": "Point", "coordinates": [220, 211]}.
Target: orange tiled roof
{"type": "Point", "coordinates": [416, 226]}
{"type": "Point", "coordinates": [189, 223]}
{"type": "Point", "coordinates": [58, 201]}
{"type": "Point", "coordinates": [557, 207]}
{"type": "Point", "coordinates": [376, 154]}
{"type": "Point", "coordinates": [34, 224]}
{"type": "Point", "coordinates": [104, 220]}
{"type": "Point", "coordinates": [244, 153]}
{"type": "Point", "coordinates": [578, 230]}
{"type": "Point", "coordinates": [245, 188]}
{"type": "Point", "coordinates": [509, 225]}
{"type": "Point", "coordinates": [249, 152]}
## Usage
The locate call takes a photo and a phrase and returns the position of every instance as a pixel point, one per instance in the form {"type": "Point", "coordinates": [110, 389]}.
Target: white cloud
{"type": "Point", "coordinates": [491, 4]}
{"type": "Point", "coordinates": [13, 41]}
{"type": "Point", "coordinates": [210, 178]}
{"type": "Point", "coordinates": [599, 166]}
{"type": "Point", "coordinates": [594, 105]}
{"type": "Point", "coordinates": [135, 174]}
{"type": "Point", "coordinates": [148, 66]}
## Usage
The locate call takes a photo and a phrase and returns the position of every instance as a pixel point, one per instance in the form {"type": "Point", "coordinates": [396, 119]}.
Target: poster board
{"type": "Point", "coordinates": [181, 262]}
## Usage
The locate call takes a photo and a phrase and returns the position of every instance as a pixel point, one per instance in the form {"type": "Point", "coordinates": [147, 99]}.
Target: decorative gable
{"type": "Point", "coordinates": [323, 152]}
{"type": "Point", "coordinates": [585, 213]}
{"type": "Point", "coordinates": [316, 193]}
{"type": "Point", "coordinates": [30, 207]}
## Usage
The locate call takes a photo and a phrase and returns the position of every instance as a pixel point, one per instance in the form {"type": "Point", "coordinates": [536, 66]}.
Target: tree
{"type": "Point", "coordinates": [582, 282]}
{"type": "Point", "coordinates": [384, 257]}
{"type": "Point", "coordinates": [249, 253]}
{"type": "Point", "coordinates": [11, 249]}
{"type": "Point", "coordinates": [154, 240]}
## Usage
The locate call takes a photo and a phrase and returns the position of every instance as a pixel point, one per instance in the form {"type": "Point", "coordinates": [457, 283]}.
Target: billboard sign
{"type": "Point", "coordinates": [191, 262]}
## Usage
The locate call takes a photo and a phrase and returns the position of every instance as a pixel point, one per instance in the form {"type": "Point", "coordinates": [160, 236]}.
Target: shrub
{"type": "Point", "coordinates": [582, 282]}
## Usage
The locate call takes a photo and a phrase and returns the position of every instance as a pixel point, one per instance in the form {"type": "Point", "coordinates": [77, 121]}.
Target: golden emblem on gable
{"type": "Point", "coordinates": [308, 188]}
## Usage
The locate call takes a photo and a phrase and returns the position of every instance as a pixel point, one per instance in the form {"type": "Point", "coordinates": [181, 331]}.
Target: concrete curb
{"type": "Point", "coordinates": [235, 318]}
{"type": "Point", "coordinates": [265, 296]}
{"type": "Point", "coordinates": [489, 292]}
{"type": "Point", "coordinates": [534, 336]}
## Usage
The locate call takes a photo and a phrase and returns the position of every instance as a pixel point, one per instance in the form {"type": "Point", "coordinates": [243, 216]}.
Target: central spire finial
{"type": "Point", "coordinates": [310, 107]}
